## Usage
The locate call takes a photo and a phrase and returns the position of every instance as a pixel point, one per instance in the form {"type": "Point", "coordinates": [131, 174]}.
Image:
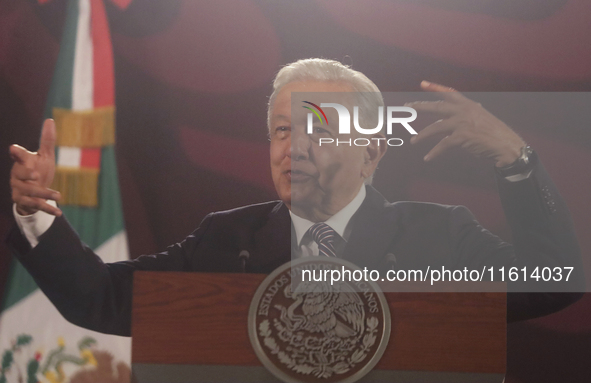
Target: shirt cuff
{"type": "Point", "coordinates": [34, 225]}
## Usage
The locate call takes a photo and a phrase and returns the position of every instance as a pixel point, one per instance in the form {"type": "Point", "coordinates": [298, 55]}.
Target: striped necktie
{"type": "Point", "coordinates": [324, 236]}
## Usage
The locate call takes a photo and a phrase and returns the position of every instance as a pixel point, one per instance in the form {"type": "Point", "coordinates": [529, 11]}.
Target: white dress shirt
{"type": "Point", "coordinates": [340, 222]}
{"type": "Point", "coordinates": [34, 225]}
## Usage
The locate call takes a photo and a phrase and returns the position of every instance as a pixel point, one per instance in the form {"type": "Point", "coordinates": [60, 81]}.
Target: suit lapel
{"type": "Point", "coordinates": [374, 229]}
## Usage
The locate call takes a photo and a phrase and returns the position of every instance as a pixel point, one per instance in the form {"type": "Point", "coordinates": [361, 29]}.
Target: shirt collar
{"type": "Point", "coordinates": [338, 222]}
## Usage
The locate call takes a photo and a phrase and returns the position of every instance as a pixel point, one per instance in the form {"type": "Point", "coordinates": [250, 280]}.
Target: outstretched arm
{"type": "Point", "coordinates": [541, 224]}
{"type": "Point", "coordinates": [87, 292]}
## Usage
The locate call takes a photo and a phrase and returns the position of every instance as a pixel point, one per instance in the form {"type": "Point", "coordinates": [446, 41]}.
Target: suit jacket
{"type": "Point", "coordinates": [401, 235]}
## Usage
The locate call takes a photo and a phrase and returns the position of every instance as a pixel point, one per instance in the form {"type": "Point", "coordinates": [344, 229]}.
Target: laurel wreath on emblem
{"type": "Point", "coordinates": [331, 336]}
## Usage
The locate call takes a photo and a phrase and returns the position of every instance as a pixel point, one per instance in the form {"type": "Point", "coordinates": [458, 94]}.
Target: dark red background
{"type": "Point", "coordinates": [192, 80]}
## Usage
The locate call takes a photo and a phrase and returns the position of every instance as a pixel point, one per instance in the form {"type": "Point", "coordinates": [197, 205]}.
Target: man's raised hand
{"type": "Point", "coordinates": [33, 172]}
{"type": "Point", "coordinates": [467, 124]}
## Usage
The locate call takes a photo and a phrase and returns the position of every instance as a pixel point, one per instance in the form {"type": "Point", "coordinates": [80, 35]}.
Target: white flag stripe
{"type": "Point", "coordinates": [82, 84]}
{"type": "Point", "coordinates": [69, 157]}
{"type": "Point", "coordinates": [115, 249]}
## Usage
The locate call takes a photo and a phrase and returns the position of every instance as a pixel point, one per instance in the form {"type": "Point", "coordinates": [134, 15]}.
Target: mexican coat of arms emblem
{"type": "Point", "coordinates": [316, 330]}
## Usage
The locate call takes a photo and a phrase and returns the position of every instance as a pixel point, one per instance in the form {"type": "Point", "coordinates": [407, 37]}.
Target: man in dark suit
{"type": "Point", "coordinates": [327, 207]}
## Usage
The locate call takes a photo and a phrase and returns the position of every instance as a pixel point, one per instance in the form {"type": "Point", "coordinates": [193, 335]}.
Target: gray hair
{"type": "Point", "coordinates": [315, 69]}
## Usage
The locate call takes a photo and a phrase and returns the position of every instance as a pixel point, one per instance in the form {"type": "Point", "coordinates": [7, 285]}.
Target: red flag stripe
{"type": "Point", "coordinates": [103, 77]}
{"type": "Point", "coordinates": [90, 158]}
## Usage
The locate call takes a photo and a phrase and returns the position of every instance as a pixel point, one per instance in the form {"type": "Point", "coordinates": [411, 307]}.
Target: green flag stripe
{"type": "Point", "coordinates": [95, 225]}
{"type": "Point", "coordinates": [19, 285]}
{"type": "Point", "coordinates": [60, 92]}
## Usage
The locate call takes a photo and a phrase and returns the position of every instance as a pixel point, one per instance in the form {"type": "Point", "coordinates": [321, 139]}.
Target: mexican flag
{"type": "Point", "coordinates": [36, 343]}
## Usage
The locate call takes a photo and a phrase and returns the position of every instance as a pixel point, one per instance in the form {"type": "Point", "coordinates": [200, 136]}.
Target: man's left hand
{"type": "Point", "coordinates": [468, 125]}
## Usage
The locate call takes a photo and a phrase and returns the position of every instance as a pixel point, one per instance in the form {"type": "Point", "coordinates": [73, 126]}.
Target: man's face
{"type": "Point", "coordinates": [315, 181]}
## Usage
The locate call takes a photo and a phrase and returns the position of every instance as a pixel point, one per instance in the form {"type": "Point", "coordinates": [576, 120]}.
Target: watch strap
{"type": "Point", "coordinates": [522, 165]}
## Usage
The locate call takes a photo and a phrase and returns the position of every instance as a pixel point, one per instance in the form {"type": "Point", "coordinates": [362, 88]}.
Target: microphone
{"type": "Point", "coordinates": [243, 257]}
{"type": "Point", "coordinates": [245, 239]}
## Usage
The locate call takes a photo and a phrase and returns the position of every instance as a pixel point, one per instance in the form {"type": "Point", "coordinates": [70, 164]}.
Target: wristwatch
{"type": "Point", "coordinates": [522, 165]}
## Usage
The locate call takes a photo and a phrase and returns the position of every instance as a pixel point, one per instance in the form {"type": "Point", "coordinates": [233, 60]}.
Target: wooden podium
{"type": "Point", "coordinates": [192, 327]}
